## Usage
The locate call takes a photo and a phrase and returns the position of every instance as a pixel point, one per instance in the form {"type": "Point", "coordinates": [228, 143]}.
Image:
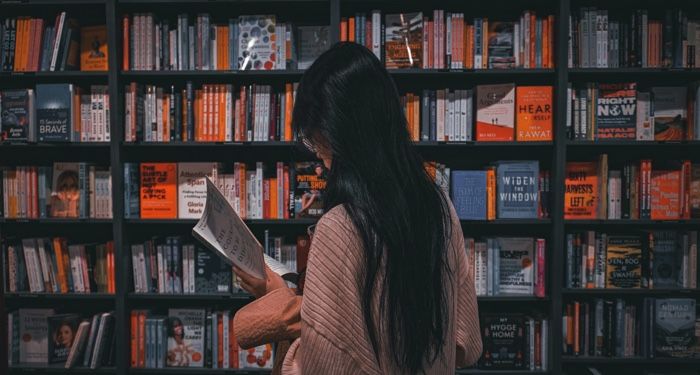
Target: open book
{"type": "Point", "coordinates": [223, 231]}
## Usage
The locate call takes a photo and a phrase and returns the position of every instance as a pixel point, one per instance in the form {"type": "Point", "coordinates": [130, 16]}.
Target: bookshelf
{"type": "Point", "coordinates": [553, 155]}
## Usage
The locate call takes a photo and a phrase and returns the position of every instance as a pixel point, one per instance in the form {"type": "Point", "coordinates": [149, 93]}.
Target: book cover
{"type": "Point", "coordinates": [516, 265]}
{"type": "Point", "coordinates": [517, 184]}
{"type": "Point", "coordinates": [158, 190]}
{"type": "Point", "coordinates": [695, 191]}
{"type": "Point", "coordinates": [54, 111]}
{"type": "Point", "coordinates": [62, 331]}
{"type": "Point", "coordinates": [500, 45]}
{"type": "Point", "coordinates": [534, 113]}
{"type": "Point", "coordinates": [581, 191]}
{"type": "Point", "coordinates": [185, 338]}
{"type": "Point", "coordinates": [616, 111]}
{"type": "Point", "coordinates": [34, 334]}
{"type": "Point", "coordinates": [666, 255]}
{"type": "Point", "coordinates": [403, 40]}
{"type": "Point", "coordinates": [261, 356]}
{"type": "Point", "coordinates": [665, 194]}
{"type": "Point", "coordinates": [192, 188]}
{"type": "Point", "coordinates": [309, 185]}
{"type": "Point", "coordinates": [313, 41]}
{"type": "Point", "coordinates": [93, 48]}
{"type": "Point", "coordinates": [212, 275]}
{"type": "Point", "coordinates": [623, 266]}
{"type": "Point", "coordinates": [469, 194]}
{"type": "Point", "coordinates": [503, 341]}
{"type": "Point", "coordinates": [16, 115]}
{"type": "Point", "coordinates": [65, 195]}
{"type": "Point", "coordinates": [670, 115]}
{"type": "Point", "coordinates": [495, 112]}
{"type": "Point", "coordinates": [256, 42]}
{"type": "Point", "coordinates": [674, 327]}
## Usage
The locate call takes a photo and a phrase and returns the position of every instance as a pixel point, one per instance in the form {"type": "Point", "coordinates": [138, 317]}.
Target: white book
{"type": "Point", "coordinates": [76, 268]}
{"type": "Point", "coordinates": [45, 265]}
{"type": "Point", "coordinates": [33, 264]}
{"type": "Point", "coordinates": [191, 250]}
{"type": "Point", "coordinates": [160, 255]}
{"type": "Point", "coordinates": [531, 344]}
{"type": "Point", "coordinates": [79, 342]}
{"type": "Point", "coordinates": [33, 331]}
{"type": "Point", "coordinates": [516, 43]}
{"type": "Point", "coordinates": [376, 34]}
{"type": "Point", "coordinates": [440, 114]}
{"type": "Point", "coordinates": [185, 270]}
{"type": "Point", "coordinates": [136, 266]}
{"type": "Point", "coordinates": [192, 188]}
{"type": "Point", "coordinates": [450, 115]}
{"type": "Point", "coordinates": [466, 96]}
{"type": "Point", "coordinates": [230, 113]}
{"type": "Point", "coordinates": [57, 41]}
{"type": "Point", "coordinates": [225, 322]}
{"type": "Point", "coordinates": [645, 120]}
{"type": "Point", "coordinates": [100, 341]}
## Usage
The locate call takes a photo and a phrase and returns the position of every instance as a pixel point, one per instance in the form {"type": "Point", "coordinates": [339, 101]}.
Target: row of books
{"type": "Point", "coordinates": [645, 189]}
{"type": "Point", "coordinates": [654, 260]}
{"type": "Point", "coordinates": [448, 40]}
{"type": "Point", "coordinates": [41, 336]}
{"type": "Point", "coordinates": [654, 327]}
{"type": "Point", "coordinates": [191, 338]}
{"type": "Point", "coordinates": [508, 265]}
{"type": "Point", "coordinates": [30, 44]}
{"type": "Point", "coordinates": [212, 113]}
{"type": "Point", "coordinates": [514, 342]}
{"type": "Point", "coordinates": [621, 111]}
{"type": "Point", "coordinates": [52, 265]}
{"type": "Point", "coordinates": [249, 42]}
{"type": "Point", "coordinates": [504, 190]}
{"type": "Point", "coordinates": [55, 112]}
{"type": "Point", "coordinates": [599, 38]}
{"type": "Point", "coordinates": [68, 190]}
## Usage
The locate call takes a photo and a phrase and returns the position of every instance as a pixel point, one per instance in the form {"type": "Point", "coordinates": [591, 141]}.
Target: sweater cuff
{"type": "Point", "coordinates": [274, 317]}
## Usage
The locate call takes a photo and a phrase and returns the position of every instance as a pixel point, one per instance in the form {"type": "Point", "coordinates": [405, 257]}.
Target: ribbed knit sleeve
{"type": "Point", "coordinates": [468, 333]}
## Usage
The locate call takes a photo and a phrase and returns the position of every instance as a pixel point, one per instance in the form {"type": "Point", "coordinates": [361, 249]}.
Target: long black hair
{"type": "Point", "coordinates": [347, 102]}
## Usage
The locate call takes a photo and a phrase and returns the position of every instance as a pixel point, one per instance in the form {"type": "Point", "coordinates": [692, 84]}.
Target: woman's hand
{"type": "Point", "coordinates": [259, 287]}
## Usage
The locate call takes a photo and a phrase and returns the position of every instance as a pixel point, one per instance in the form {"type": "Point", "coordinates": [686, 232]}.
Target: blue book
{"type": "Point", "coordinates": [517, 185]}
{"type": "Point", "coordinates": [469, 194]}
{"type": "Point", "coordinates": [54, 109]}
{"type": "Point", "coordinates": [131, 190]}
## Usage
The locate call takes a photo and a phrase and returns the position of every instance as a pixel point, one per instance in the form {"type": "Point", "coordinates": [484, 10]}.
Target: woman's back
{"type": "Point", "coordinates": [332, 315]}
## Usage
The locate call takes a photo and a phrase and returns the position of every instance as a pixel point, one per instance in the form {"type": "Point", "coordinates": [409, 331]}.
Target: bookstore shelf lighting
{"type": "Point", "coordinates": [566, 133]}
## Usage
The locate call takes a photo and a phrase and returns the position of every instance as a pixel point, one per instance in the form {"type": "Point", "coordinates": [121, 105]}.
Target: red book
{"type": "Point", "coordinates": [134, 321]}
{"type": "Point", "coordinates": [232, 346]}
{"type": "Point", "coordinates": [266, 198]}
{"type": "Point", "coordinates": [665, 195]}
{"type": "Point", "coordinates": [125, 43]}
{"type": "Point", "coordinates": [220, 344]}
{"type": "Point", "coordinates": [285, 193]}
{"type": "Point", "coordinates": [142, 340]}
{"type": "Point", "coordinates": [540, 280]}
{"type": "Point", "coordinates": [685, 189]}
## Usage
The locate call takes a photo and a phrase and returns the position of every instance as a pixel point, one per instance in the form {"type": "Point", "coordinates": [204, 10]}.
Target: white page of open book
{"type": "Point", "coordinates": [223, 231]}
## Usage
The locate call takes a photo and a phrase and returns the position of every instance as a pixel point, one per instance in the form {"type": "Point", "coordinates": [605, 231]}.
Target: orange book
{"type": "Point", "coordinates": [273, 198]}
{"type": "Point", "coordinates": [198, 115]}
{"type": "Point", "coordinates": [544, 42]}
{"type": "Point", "coordinates": [469, 64]}
{"type": "Point", "coordinates": [533, 52]}
{"type": "Point", "coordinates": [158, 190]}
{"type": "Point", "coordinates": [134, 321]}
{"type": "Point", "coordinates": [58, 250]}
{"type": "Point", "coordinates": [33, 31]}
{"type": "Point", "coordinates": [142, 340]}
{"type": "Point", "coordinates": [220, 342]}
{"type": "Point", "coordinates": [550, 41]}
{"type": "Point", "coordinates": [93, 48]}
{"type": "Point", "coordinates": [232, 346]}
{"type": "Point", "coordinates": [581, 191]}
{"type": "Point", "coordinates": [533, 113]}
{"type": "Point", "coordinates": [266, 198]}
{"type": "Point", "coordinates": [222, 113]}
{"type": "Point", "coordinates": [686, 178]}
{"type": "Point", "coordinates": [577, 313]}
{"type": "Point", "coordinates": [285, 194]}
{"type": "Point", "coordinates": [288, 107]}
{"type": "Point", "coordinates": [351, 29]}
{"type": "Point", "coordinates": [125, 42]}
{"type": "Point", "coordinates": [491, 193]}
{"type": "Point", "coordinates": [19, 46]}
{"type": "Point", "coordinates": [166, 118]}
{"type": "Point", "coordinates": [485, 44]}
{"type": "Point", "coordinates": [343, 29]}
{"type": "Point", "coordinates": [665, 195]}
{"type": "Point", "coordinates": [111, 285]}
{"type": "Point", "coordinates": [569, 326]}
{"type": "Point", "coordinates": [242, 190]}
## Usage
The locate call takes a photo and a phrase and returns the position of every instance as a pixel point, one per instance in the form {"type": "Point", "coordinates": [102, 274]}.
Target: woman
{"type": "Point", "coordinates": [387, 287]}
{"type": "Point", "coordinates": [180, 352]}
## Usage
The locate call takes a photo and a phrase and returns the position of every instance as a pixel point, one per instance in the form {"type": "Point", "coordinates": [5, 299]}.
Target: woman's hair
{"type": "Point", "coordinates": [172, 323]}
{"type": "Point", "coordinates": [347, 103]}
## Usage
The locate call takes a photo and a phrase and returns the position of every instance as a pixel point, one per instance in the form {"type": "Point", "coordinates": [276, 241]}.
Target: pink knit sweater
{"type": "Point", "coordinates": [333, 337]}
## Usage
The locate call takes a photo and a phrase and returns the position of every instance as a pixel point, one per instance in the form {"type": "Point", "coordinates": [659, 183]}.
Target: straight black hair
{"type": "Point", "coordinates": [347, 102]}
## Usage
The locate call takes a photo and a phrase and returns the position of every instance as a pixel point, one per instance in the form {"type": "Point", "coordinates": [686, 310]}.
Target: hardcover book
{"type": "Point", "coordinates": [256, 42]}
{"type": "Point", "coordinates": [517, 183]}
{"type": "Point", "coordinates": [666, 260]}
{"type": "Point", "coordinates": [616, 111]}
{"type": "Point", "coordinates": [504, 342]}
{"type": "Point", "coordinates": [93, 48]}
{"type": "Point", "coordinates": [54, 112]}
{"type": "Point", "coordinates": [623, 266]}
{"type": "Point", "coordinates": [313, 41]}
{"type": "Point", "coordinates": [674, 327]}
{"type": "Point", "coordinates": [695, 191]}
{"type": "Point", "coordinates": [516, 265]}
{"type": "Point", "coordinates": [66, 194]}
{"type": "Point", "coordinates": [212, 275]}
{"type": "Point", "coordinates": [62, 331]}
{"type": "Point", "coordinates": [469, 194]}
{"type": "Point", "coordinates": [17, 116]}
{"type": "Point", "coordinates": [403, 40]}
{"type": "Point", "coordinates": [158, 190]}
{"type": "Point", "coordinates": [665, 194]}
{"type": "Point", "coordinates": [261, 356]}
{"type": "Point", "coordinates": [500, 45]}
{"type": "Point", "coordinates": [33, 331]}
{"type": "Point", "coordinates": [192, 188]}
{"type": "Point", "coordinates": [534, 113]}
{"type": "Point", "coordinates": [186, 337]}
{"type": "Point", "coordinates": [670, 115]}
{"type": "Point", "coordinates": [581, 191]}
{"type": "Point", "coordinates": [495, 112]}
{"type": "Point", "coordinates": [309, 186]}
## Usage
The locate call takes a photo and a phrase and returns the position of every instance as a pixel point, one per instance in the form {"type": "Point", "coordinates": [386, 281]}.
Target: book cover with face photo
{"type": "Point", "coordinates": [62, 332]}
{"type": "Point", "coordinates": [309, 186]}
{"type": "Point", "coordinates": [65, 196]}
{"type": "Point", "coordinates": [185, 338]}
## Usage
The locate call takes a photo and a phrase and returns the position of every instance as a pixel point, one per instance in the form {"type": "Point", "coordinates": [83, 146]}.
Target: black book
{"type": "Point", "coordinates": [674, 329]}
{"type": "Point", "coordinates": [504, 341]}
{"type": "Point", "coordinates": [62, 331]}
{"type": "Point", "coordinates": [190, 111]}
{"type": "Point", "coordinates": [211, 274]}
{"type": "Point", "coordinates": [178, 117]}
{"type": "Point", "coordinates": [54, 111]}
{"type": "Point", "coordinates": [16, 115]}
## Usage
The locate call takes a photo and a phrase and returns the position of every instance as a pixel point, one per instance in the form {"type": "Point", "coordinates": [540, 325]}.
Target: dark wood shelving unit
{"type": "Point", "coordinates": [116, 153]}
